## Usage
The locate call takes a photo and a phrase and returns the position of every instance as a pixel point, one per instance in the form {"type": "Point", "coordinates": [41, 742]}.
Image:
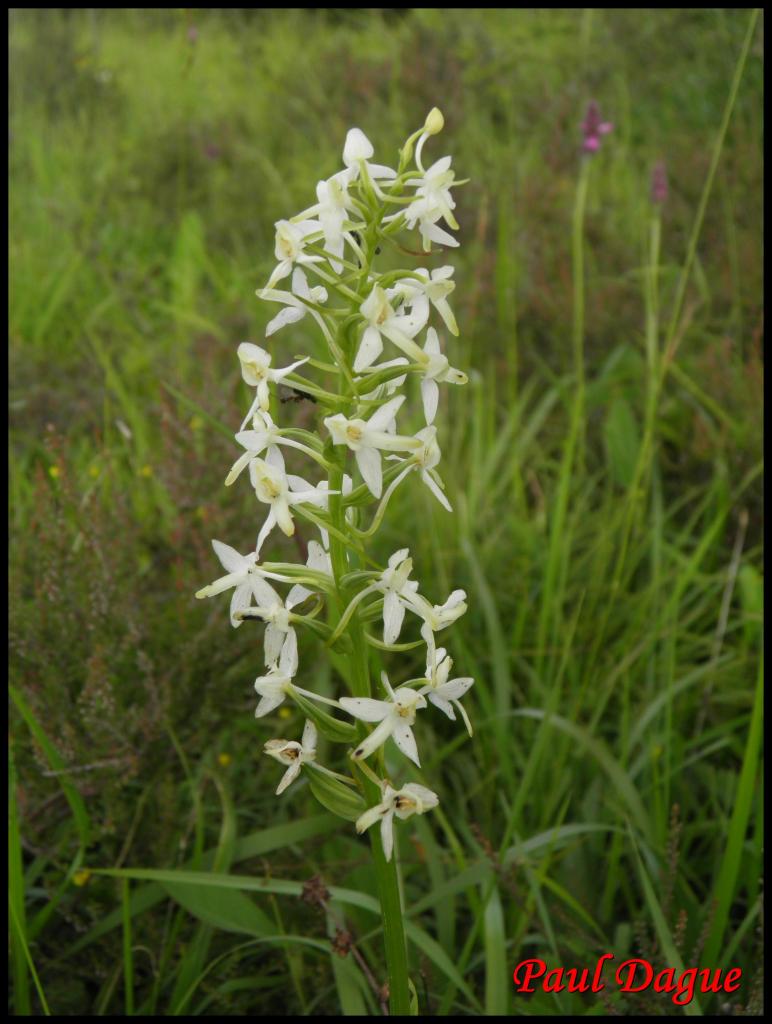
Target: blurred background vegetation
{"type": "Point", "coordinates": [610, 799]}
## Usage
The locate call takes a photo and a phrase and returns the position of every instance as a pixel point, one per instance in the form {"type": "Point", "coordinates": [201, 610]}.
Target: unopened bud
{"type": "Point", "coordinates": [435, 122]}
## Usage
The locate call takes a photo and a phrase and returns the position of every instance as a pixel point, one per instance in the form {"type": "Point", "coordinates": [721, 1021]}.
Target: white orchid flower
{"type": "Point", "coordinates": [282, 491]}
{"type": "Point", "coordinates": [395, 715]}
{"type": "Point", "coordinates": [295, 301]}
{"type": "Point", "coordinates": [277, 616]}
{"type": "Point", "coordinates": [433, 199]}
{"type": "Point", "coordinates": [357, 151]}
{"type": "Point", "coordinates": [368, 438]}
{"type": "Point", "coordinates": [411, 799]}
{"type": "Point", "coordinates": [332, 209]}
{"type": "Point", "coordinates": [436, 286]}
{"type": "Point", "coordinates": [437, 369]}
{"type": "Point", "coordinates": [444, 692]}
{"type": "Point", "coordinates": [244, 575]}
{"type": "Point", "coordinates": [256, 371]}
{"type": "Point", "coordinates": [274, 686]}
{"type": "Point", "coordinates": [437, 617]}
{"type": "Point", "coordinates": [384, 322]}
{"type": "Point", "coordinates": [264, 437]}
{"type": "Point", "coordinates": [425, 459]}
{"type": "Point", "coordinates": [425, 213]}
{"type": "Point", "coordinates": [397, 590]}
{"type": "Point", "coordinates": [289, 249]}
{"type": "Point", "coordinates": [293, 754]}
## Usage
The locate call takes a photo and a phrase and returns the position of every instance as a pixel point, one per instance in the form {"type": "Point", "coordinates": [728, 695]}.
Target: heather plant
{"type": "Point", "coordinates": [362, 311]}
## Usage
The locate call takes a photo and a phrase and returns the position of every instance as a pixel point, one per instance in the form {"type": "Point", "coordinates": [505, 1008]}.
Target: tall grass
{"type": "Point", "coordinates": [606, 476]}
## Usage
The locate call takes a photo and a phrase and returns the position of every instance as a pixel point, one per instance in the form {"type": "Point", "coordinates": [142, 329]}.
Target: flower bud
{"type": "Point", "coordinates": [435, 122]}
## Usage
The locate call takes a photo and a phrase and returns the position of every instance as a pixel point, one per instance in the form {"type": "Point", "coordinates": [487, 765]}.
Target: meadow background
{"type": "Point", "coordinates": [611, 797]}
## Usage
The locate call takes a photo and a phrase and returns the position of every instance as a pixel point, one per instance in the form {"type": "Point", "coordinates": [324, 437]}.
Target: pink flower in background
{"type": "Point", "coordinates": [593, 128]}
{"type": "Point", "coordinates": [659, 182]}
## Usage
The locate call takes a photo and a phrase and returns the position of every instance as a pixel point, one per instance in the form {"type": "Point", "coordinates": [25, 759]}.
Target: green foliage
{"type": "Point", "coordinates": [616, 658]}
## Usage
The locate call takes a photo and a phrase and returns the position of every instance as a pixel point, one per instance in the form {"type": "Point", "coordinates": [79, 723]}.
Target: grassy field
{"type": "Point", "coordinates": [611, 798]}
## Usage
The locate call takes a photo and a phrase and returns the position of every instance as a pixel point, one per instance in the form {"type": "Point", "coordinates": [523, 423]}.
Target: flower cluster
{"type": "Point", "coordinates": [324, 270]}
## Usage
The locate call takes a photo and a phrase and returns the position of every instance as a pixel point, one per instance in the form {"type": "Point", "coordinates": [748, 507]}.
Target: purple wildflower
{"type": "Point", "coordinates": [593, 128]}
{"type": "Point", "coordinates": [659, 182]}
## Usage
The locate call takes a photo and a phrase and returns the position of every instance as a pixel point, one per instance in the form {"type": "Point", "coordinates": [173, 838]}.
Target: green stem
{"type": "Point", "coordinates": [385, 871]}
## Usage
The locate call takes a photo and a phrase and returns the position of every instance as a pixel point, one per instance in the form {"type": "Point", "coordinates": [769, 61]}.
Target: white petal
{"type": "Point", "coordinates": [288, 660]}
{"type": "Point", "coordinates": [357, 146]}
{"type": "Point", "coordinates": [370, 816]}
{"type": "Point", "coordinates": [277, 375]}
{"type": "Point", "coordinates": [238, 467]}
{"type": "Point", "coordinates": [376, 738]}
{"type": "Point", "coordinates": [318, 559]}
{"type": "Point", "coordinates": [229, 557]}
{"type": "Point", "coordinates": [393, 617]}
{"type": "Point", "coordinates": [369, 462]}
{"type": "Point", "coordinates": [289, 315]}
{"type": "Point", "coordinates": [430, 393]}
{"type": "Point", "coordinates": [308, 740]}
{"type": "Point", "coordinates": [265, 529]}
{"type": "Point", "coordinates": [443, 705]}
{"type": "Point", "coordinates": [403, 736]}
{"type": "Point", "coordinates": [369, 350]}
{"type": "Point", "coordinates": [365, 708]}
{"type": "Point", "coordinates": [289, 776]}
{"type": "Point", "coordinates": [387, 834]}
{"type": "Point", "coordinates": [428, 480]}
{"type": "Point", "coordinates": [283, 516]}
{"type": "Point", "coordinates": [380, 171]}
{"type": "Point", "coordinates": [382, 417]}
{"type": "Point", "coordinates": [274, 641]}
{"type": "Point", "coordinates": [241, 599]}
{"type": "Point", "coordinates": [268, 704]}
{"type": "Point", "coordinates": [297, 594]}
{"type": "Point", "coordinates": [455, 689]}
{"type": "Point", "coordinates": [264, 593]}
{"type": "Point", "coordinates": [432, 345]}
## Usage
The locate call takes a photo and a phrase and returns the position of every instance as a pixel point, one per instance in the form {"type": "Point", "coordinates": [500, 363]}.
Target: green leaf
{"type": "Point", "coordinates": [751, 588]}
{"type": "Point", "coordinates": [226, 909]}
{"type": "Point", "coordinates": [620, 433]}
{"type": "Point", "coordinates": [496, 973]}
